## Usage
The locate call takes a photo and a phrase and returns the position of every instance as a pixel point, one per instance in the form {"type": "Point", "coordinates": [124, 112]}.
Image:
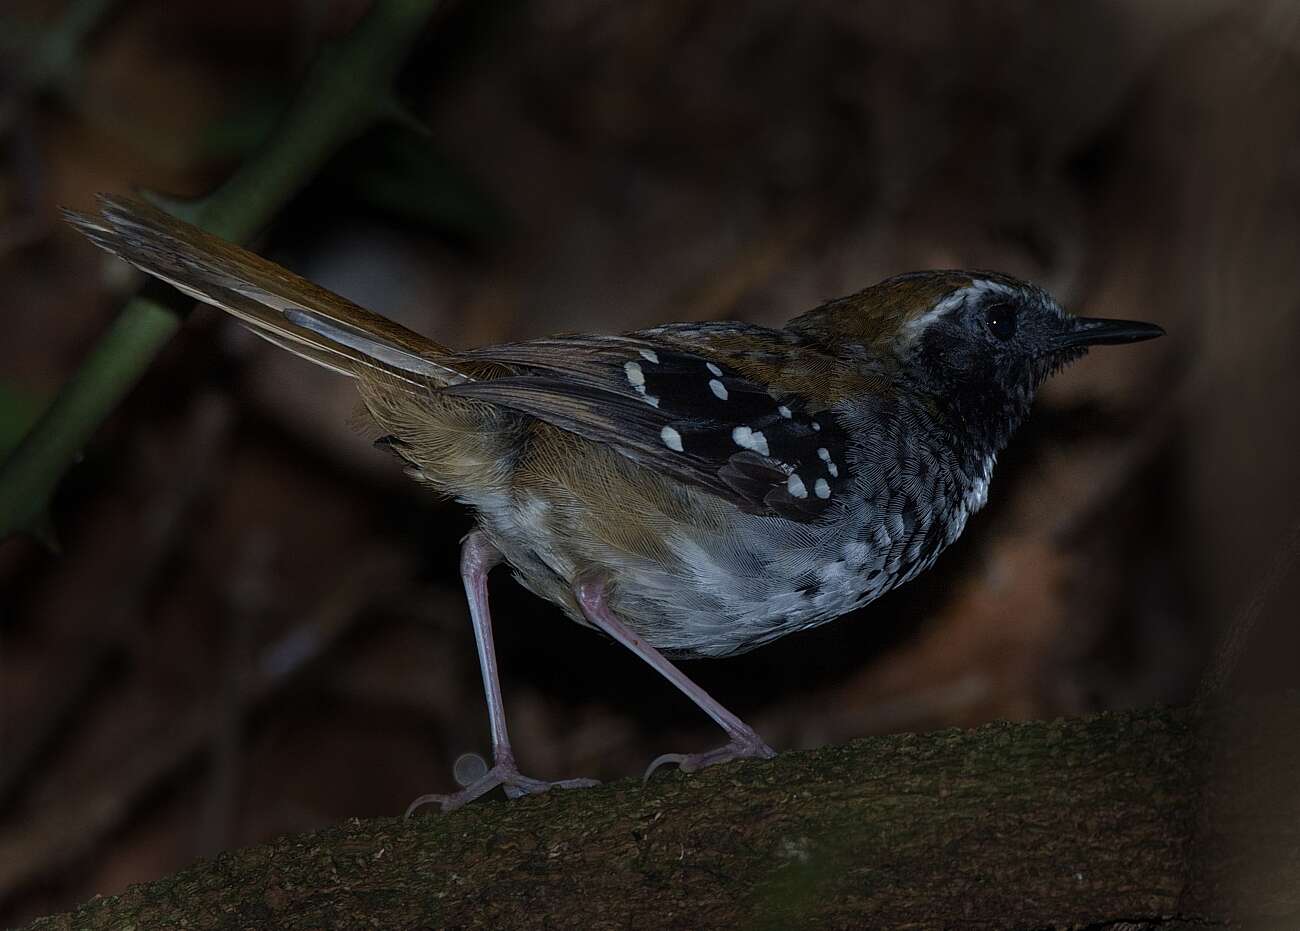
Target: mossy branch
{"type": "Point", "coordinates": [1144, 819]}
{"type": "Point", "coordinates": [347, 89]}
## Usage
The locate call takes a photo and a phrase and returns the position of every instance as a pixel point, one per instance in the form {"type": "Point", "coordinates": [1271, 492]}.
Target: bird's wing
{"type": "Point", "coordinates": [690, 402]}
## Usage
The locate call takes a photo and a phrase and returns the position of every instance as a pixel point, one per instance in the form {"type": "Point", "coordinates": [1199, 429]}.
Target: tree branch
{"type": "Point", "coordinates": [1156, 818]}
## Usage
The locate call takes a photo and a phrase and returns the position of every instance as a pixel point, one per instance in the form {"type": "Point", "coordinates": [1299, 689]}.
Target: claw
{"type": "Point", "coordinates": [516, 785]}
{"type": "Point", "coordinates": [741, 747]}
{"type": "Point", "coordinates": [663, 758]}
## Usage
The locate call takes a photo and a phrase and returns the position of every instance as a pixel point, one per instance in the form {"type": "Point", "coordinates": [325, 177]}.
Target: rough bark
{"type": "Point", "coordinates": [1152, 818]}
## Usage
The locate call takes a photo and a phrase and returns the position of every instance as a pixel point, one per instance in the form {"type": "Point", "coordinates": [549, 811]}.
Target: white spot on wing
{"type": "Point", "coordinates": [785, 412]}
{"type": "Point", "coordinates": [824, 455]}
{"type": "Point", "coordinates": [634, 374]}
{"type": "Point", "coordinates": [718, 388]}
{"type": "Point", "coordinates": [747, 438]}
{"type": "Point", "coordinates": [821, 488]}
{"type": "Point", "coordinates": [794, 485]}
{"type": "Point", "coordinates": [672, 439]}
{"type": "Point", "coordinates": [649, 355]}
{"type": "Point", "coordinates": [713, 368]}
{"type": "Point", "coordinates": [816, 425]}
{"type": "Point", "coordinates": [648, 398]}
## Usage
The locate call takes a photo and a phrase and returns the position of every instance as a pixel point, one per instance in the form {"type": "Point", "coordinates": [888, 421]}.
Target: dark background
{"type": "Point", "coordinates": [255, 625]}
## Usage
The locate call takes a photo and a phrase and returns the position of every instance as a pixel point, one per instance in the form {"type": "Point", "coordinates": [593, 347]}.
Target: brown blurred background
{"type": "Point", "coordinates": [255, 625]}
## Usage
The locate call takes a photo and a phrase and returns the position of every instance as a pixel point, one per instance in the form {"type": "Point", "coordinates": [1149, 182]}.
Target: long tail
{"type": "Point", "coordinates": [274, 303]}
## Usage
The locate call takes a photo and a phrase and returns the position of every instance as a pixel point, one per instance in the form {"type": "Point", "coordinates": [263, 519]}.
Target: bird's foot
{"type": "Point", "coordinates": [741, 747]}
{"type": "Point", "coordinates": [503, 774]}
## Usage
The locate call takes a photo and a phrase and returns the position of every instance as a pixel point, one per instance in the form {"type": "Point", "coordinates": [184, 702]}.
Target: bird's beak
{"type": "Point", "coordinates": [1098, 331]}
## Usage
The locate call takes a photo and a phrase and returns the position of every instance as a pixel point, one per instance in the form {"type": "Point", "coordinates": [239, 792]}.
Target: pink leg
{"type": "Point", "coordinates": [477, 557]}
{"type": "Point", "coordinates": [744, 742]}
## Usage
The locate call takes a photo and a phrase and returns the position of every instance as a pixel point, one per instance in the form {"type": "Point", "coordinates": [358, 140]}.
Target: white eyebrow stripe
{"type": "Point", "coordinates": [914, 327]}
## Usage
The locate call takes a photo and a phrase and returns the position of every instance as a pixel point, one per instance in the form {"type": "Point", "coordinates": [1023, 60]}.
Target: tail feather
{"type": "Point", "coordinates": [274, 303]}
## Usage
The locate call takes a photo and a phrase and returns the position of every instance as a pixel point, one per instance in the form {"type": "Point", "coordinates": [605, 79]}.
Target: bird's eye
{"type": "Point", "coordinates": [1000, 318]}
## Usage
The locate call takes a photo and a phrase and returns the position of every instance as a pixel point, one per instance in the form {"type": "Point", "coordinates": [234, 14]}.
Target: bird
{"type": "Point", "coordinates": [693, 489]}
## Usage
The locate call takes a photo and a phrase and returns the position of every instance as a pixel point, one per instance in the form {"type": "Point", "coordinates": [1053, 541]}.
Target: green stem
{"type": "Point", "coordinates": [347, 89]}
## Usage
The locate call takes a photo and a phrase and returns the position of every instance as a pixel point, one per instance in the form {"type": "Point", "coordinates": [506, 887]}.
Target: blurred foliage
{"type": "Point", "coordinates": [18, 411]}
{"type": "Point", "coordinates": [395, 170]}
{"type": "Point", "coordinates": [244, 127]}
{"type": "Point", "coordinates": [401, 174]}
{"type": "Point", "coordinates": [347, 90]}
{"type": "Point", "coordinates": [51, 58]}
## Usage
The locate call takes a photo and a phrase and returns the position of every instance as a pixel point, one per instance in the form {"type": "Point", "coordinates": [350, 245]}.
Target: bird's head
{"type": "Point", "coordinates": [977, 345]}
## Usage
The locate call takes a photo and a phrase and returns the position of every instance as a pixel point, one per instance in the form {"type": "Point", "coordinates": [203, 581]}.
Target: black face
{"type": "Point", "coordinates": [1013, 336]}
{"type": "Point", "coordinates": [1000, 319]}
{"type": "Point", "coordinates": [986, 349]}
